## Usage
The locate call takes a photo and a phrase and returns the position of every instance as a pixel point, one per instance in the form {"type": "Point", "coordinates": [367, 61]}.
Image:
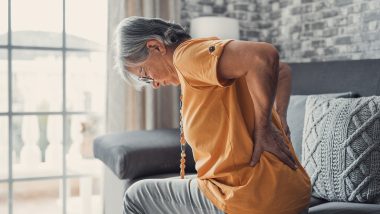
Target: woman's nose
{"type": "Point", "coordinates": [155, 84]}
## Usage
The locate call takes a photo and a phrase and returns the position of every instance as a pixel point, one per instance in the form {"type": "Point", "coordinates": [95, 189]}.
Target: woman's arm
{"type": "Point", "coordinates": [283, 89]}
{"type": "Point", "coordinates": [283, 94]}
{"type": "Point", "coordinates": [259, 63]}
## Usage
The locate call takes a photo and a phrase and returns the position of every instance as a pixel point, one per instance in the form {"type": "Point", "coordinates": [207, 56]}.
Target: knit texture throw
{"type": "Point", "coordinates": [341, 148]}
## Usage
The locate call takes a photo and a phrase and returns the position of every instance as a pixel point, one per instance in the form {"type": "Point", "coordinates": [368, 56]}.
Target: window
{"type": "Point", "coordinates": [52, 105]}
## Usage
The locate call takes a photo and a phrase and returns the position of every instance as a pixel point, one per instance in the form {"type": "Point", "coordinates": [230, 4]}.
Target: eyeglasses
{"type": "Point", "coordinates": [144, 78]}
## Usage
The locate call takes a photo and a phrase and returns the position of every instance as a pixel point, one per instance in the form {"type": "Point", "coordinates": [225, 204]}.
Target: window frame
{"type": "Point", "coordinates": [9, 47]}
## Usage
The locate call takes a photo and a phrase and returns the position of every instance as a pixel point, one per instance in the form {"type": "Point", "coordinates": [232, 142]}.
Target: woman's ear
{"type": "Point", "coordinates": [156, 45]}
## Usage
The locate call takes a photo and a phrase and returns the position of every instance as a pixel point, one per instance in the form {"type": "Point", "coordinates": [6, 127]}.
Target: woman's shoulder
{"type": "Point", "coordinates": [188, 47]}
{"type": "Point", "coordinates": [196, 60]}
{"type": "Point", "coordinates": [194, 51]}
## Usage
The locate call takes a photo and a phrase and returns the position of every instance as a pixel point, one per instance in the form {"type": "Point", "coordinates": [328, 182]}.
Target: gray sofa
{"type": "Point", "coordinates": [131, 156]}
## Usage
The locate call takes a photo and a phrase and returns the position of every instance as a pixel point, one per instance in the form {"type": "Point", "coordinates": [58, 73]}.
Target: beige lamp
{"type": "Point", "coordinates": [208, 26]}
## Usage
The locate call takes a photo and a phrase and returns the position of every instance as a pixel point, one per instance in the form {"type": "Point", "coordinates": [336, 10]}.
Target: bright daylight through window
{"type": "Point", "coordinates": [52, 105]}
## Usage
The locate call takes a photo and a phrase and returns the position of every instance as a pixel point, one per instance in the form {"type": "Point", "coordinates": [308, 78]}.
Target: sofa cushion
{"type": "Point", "coordinates": [296, 114]}
{"type": "Point", "coordinates": [316, 201]}
{"type": "Point", "coordinates": [345, 208]}
{"type": "Point", "coordinates": [135, 154]}
{"type": "Point", "coordinates": [341, 148]}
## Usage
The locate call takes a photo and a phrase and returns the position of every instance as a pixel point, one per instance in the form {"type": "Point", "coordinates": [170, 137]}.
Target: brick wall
{"type": "Point", "coordinates": [302, 30]}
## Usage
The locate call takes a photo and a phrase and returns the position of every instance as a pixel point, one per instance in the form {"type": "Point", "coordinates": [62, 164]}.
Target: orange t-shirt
{"type": "Point", "coordinates": [218, 122]}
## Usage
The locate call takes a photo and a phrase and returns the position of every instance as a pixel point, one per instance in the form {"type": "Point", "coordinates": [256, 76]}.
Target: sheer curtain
{"type": "Point", "coordinates": [128, 109]}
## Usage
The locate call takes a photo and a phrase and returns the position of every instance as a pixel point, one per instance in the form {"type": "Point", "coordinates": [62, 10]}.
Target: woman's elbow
{"type": "Point", "coordinates": [272, 52]}
{"type": "Point", "coordinates": [285, 70]}
{"type": "Point", "coordinates": [269, 57]}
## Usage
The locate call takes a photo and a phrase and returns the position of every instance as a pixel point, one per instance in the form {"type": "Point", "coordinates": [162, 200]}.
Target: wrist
{"type": "Point", "coordinates": [263, 128]}
{"type": "Point", "coordinates": [282, 116]}
{"type": "Point", "coordinates": [281, 113]}
{"type": "Point", "coordinates": [280, 109]}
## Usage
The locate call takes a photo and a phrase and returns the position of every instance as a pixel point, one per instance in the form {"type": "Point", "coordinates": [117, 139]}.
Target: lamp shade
{"type": "Point", "coordinates": [208, 26]}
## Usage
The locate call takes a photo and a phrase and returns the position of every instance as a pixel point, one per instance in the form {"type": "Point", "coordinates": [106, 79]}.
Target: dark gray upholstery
{"type": "Point", "coordinates": [361, 76]}
{"type": "Point", "coordinates": [316, 201]}
{"type": "Point", "coordinates": [144, 154]}
{"type": "Point", "coordinates": [137, 154]}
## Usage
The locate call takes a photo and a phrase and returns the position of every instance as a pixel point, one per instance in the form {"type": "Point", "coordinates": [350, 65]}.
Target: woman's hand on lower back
{"type": "Point", "coordinates": [285, 126]}
{"type": "Point", "coordinates": [271, 140]}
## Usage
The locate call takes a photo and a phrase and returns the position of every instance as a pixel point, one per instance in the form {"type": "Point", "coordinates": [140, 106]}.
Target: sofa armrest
{"type": "Point", "coordinates": [136, 154]}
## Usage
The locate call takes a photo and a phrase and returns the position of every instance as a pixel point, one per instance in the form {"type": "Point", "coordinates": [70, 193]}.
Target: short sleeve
{"type": "Point", "coordinates": [197, 59]}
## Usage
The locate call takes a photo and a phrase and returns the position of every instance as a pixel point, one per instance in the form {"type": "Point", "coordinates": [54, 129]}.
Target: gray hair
{"type": "Point", "coordinates": [130, 40]}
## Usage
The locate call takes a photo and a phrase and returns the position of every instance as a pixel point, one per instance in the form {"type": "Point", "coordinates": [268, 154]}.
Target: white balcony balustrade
{"type": "Point", "coordinates": [30, 154]}
{"type": "Point", "coordinates": [77, 140]}
{"type": "Point", "coordinates": [54, 150]}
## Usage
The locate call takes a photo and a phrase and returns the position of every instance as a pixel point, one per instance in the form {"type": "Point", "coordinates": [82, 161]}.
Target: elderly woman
{"type": "Point", "coordinates": [234, 101]}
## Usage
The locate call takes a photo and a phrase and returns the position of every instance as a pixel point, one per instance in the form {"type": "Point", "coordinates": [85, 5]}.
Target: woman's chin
{"type": "Point", "coordinates": [176, 83]}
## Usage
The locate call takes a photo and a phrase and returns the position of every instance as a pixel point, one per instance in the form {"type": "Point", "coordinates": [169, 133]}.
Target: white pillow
{"type": "Point", "coordinates": [341, 148]}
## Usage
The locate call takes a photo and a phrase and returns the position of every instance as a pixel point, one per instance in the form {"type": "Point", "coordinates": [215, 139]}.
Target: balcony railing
{"type": "Point", "coordinates": [31, 163]}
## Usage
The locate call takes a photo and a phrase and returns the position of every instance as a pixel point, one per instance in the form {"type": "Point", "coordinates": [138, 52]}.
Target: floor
{"type": "Point", "coordinates": [44, 197]}
{"type": "Point", "coordinates": [51, 206]}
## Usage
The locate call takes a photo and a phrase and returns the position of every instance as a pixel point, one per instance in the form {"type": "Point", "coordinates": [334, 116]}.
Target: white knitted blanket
{"type": "Point", "coordinates": [341, 148]}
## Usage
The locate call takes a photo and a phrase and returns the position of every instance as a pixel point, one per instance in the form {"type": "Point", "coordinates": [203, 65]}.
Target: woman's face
{"type": "Point", "coordinates": [158, 66]}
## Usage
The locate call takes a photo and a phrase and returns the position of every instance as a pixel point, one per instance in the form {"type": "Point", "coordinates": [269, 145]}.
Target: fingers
{"type": "Point", "coordinates": [288, 135]}
{"type": "Point", "coordinates": [280, 154]}
{"type": "Point", "coordinates": [288, 132]}
{"type": "Point", "coordinates": [284, 154]}
{"type": "Point", "coordinates": [286, 150]}
{"type": "Point", "coordinates": [287, 160]}
{"type": "Point", "coordinates": [273, 142]}
{"type": "Point", "coordinates": [256, 156]}
{"type": "Point", "coordinates": [289, 155]}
